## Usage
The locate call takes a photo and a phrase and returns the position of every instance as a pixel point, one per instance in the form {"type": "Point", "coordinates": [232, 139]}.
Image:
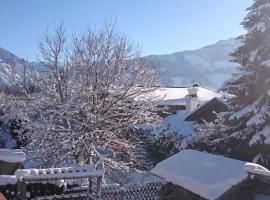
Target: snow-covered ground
{"type": "Point", "coordinates": [175, 123]}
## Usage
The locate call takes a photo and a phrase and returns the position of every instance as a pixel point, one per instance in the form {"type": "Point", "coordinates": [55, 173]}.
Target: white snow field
{"type": "Point", "coordinates": [175, 123]}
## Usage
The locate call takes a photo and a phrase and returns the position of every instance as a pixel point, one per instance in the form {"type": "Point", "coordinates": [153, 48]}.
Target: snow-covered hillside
{"type": "Point", "coordinates": [209, 66]}
{"type": "Point", "coordinates": [11, 63]}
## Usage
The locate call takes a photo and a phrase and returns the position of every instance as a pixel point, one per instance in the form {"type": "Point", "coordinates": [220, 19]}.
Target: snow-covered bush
{"type": "Point", "coordinates": [166, 144]}
{"type": "Point", "coordinates": [209, 136]}
{"type": "Point", "coordinates": [164, 139]}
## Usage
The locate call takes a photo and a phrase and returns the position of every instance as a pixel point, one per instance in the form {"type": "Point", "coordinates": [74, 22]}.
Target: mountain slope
{"type": "Point", "coordinates": [209, 66]}
{"type": "Point", "coordinates": [9, 63]}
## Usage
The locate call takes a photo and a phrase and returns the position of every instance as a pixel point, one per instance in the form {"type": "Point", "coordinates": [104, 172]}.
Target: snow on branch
{"type": "Point", "coordinates": [87, 100]}
{"type": "Point", "coordinates": [247, 110]}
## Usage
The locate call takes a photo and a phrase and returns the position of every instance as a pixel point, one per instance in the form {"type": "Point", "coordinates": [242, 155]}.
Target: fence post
{"type": "Point", "coordinates": [90, 185]}
{"type": "Point", "coordinates": [122, 193]}
{"type": "Point", "coordinates": [21, 189]}
{"type": "Point", "coordinates": [99, 180]}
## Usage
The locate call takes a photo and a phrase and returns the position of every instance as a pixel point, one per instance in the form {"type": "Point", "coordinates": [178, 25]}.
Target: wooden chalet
{"type": "Point", "coordinates": [198, 102]}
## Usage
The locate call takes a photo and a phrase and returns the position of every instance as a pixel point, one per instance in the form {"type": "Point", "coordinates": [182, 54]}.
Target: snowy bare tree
{"type": "Point", "coordinates": [89, 98]}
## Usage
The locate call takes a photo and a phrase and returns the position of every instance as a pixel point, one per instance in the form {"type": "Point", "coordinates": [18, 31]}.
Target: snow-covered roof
{"type": "Point", "coordinates": [177, 95]}
{"type": "Point", "coordinates": [12, 155]}
{"type": "Point", "coordinates": [206, 175]}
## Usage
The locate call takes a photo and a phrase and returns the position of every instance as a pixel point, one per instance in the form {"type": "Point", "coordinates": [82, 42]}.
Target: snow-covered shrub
{"type": "Point", "coordinates": [166, 144]}
{"type": "Point", "coordinates": [209, 136]}
{"type": "Point", "coordinates": [164, 139]}
{"type": "Point", "coordinates": [160, 144]}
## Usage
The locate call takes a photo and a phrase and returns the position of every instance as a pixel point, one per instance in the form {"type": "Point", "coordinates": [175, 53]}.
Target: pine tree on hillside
{"type": "Point", "coordinates": [244, 131]}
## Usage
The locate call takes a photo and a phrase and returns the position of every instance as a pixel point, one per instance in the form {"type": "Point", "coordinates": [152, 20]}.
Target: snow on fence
{"type": "Point", "coordinates": [55, 183]}
{"type": "Point", "coordinates": [146, 191]}
{"type": "Point", "coordinates": [8, 186]}
{"type": "Point", "coordinates": [82, 183]}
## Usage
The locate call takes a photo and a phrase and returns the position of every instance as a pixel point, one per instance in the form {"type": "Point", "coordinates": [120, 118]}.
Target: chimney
{"type": "Point", "coordinates": [192, 98]}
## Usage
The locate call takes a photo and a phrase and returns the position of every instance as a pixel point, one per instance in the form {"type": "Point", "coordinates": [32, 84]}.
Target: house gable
{"type": "Point", "coordinates": [207, 111]}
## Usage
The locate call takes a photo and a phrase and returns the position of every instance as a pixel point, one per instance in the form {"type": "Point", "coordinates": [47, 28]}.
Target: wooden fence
{"type": "Point", "coordinates": [72, 184]}
{"type": "Point", "coordinates": [56, 183]}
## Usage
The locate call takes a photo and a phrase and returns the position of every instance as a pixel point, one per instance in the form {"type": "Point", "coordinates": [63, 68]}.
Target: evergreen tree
{"type": "Point", "coordinates": [244, 131]}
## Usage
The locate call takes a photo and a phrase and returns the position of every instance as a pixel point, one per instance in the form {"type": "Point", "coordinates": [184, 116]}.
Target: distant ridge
{"type": "Point", "coordinates": [209, 65]}
{"type": "Point", "coordinates": [12, 63]}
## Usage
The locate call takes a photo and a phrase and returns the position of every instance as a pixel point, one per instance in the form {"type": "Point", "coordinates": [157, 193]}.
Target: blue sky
{"type": "Point", "coordinates": [160, 26]}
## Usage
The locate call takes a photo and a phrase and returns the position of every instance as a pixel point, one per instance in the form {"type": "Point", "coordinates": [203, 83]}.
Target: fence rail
{"type": "Point", "coordinates": [73, 184]}
{"type": "Point", "coordinates": [56, 183]}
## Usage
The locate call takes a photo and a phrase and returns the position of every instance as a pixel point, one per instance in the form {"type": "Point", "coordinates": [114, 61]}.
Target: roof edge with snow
{"type": "Point", "coordinates": [207, 175]}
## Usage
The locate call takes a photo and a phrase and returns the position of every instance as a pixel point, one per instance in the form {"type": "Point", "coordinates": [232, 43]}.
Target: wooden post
{"type": "Point", "coordinates": [99, 179]}
{"type": "Point", "coordinates": [21, 190]}
{"type": "Point", "coordinates": [122, 193]}
{"type": "Point", "coordinates": [90, 185]}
